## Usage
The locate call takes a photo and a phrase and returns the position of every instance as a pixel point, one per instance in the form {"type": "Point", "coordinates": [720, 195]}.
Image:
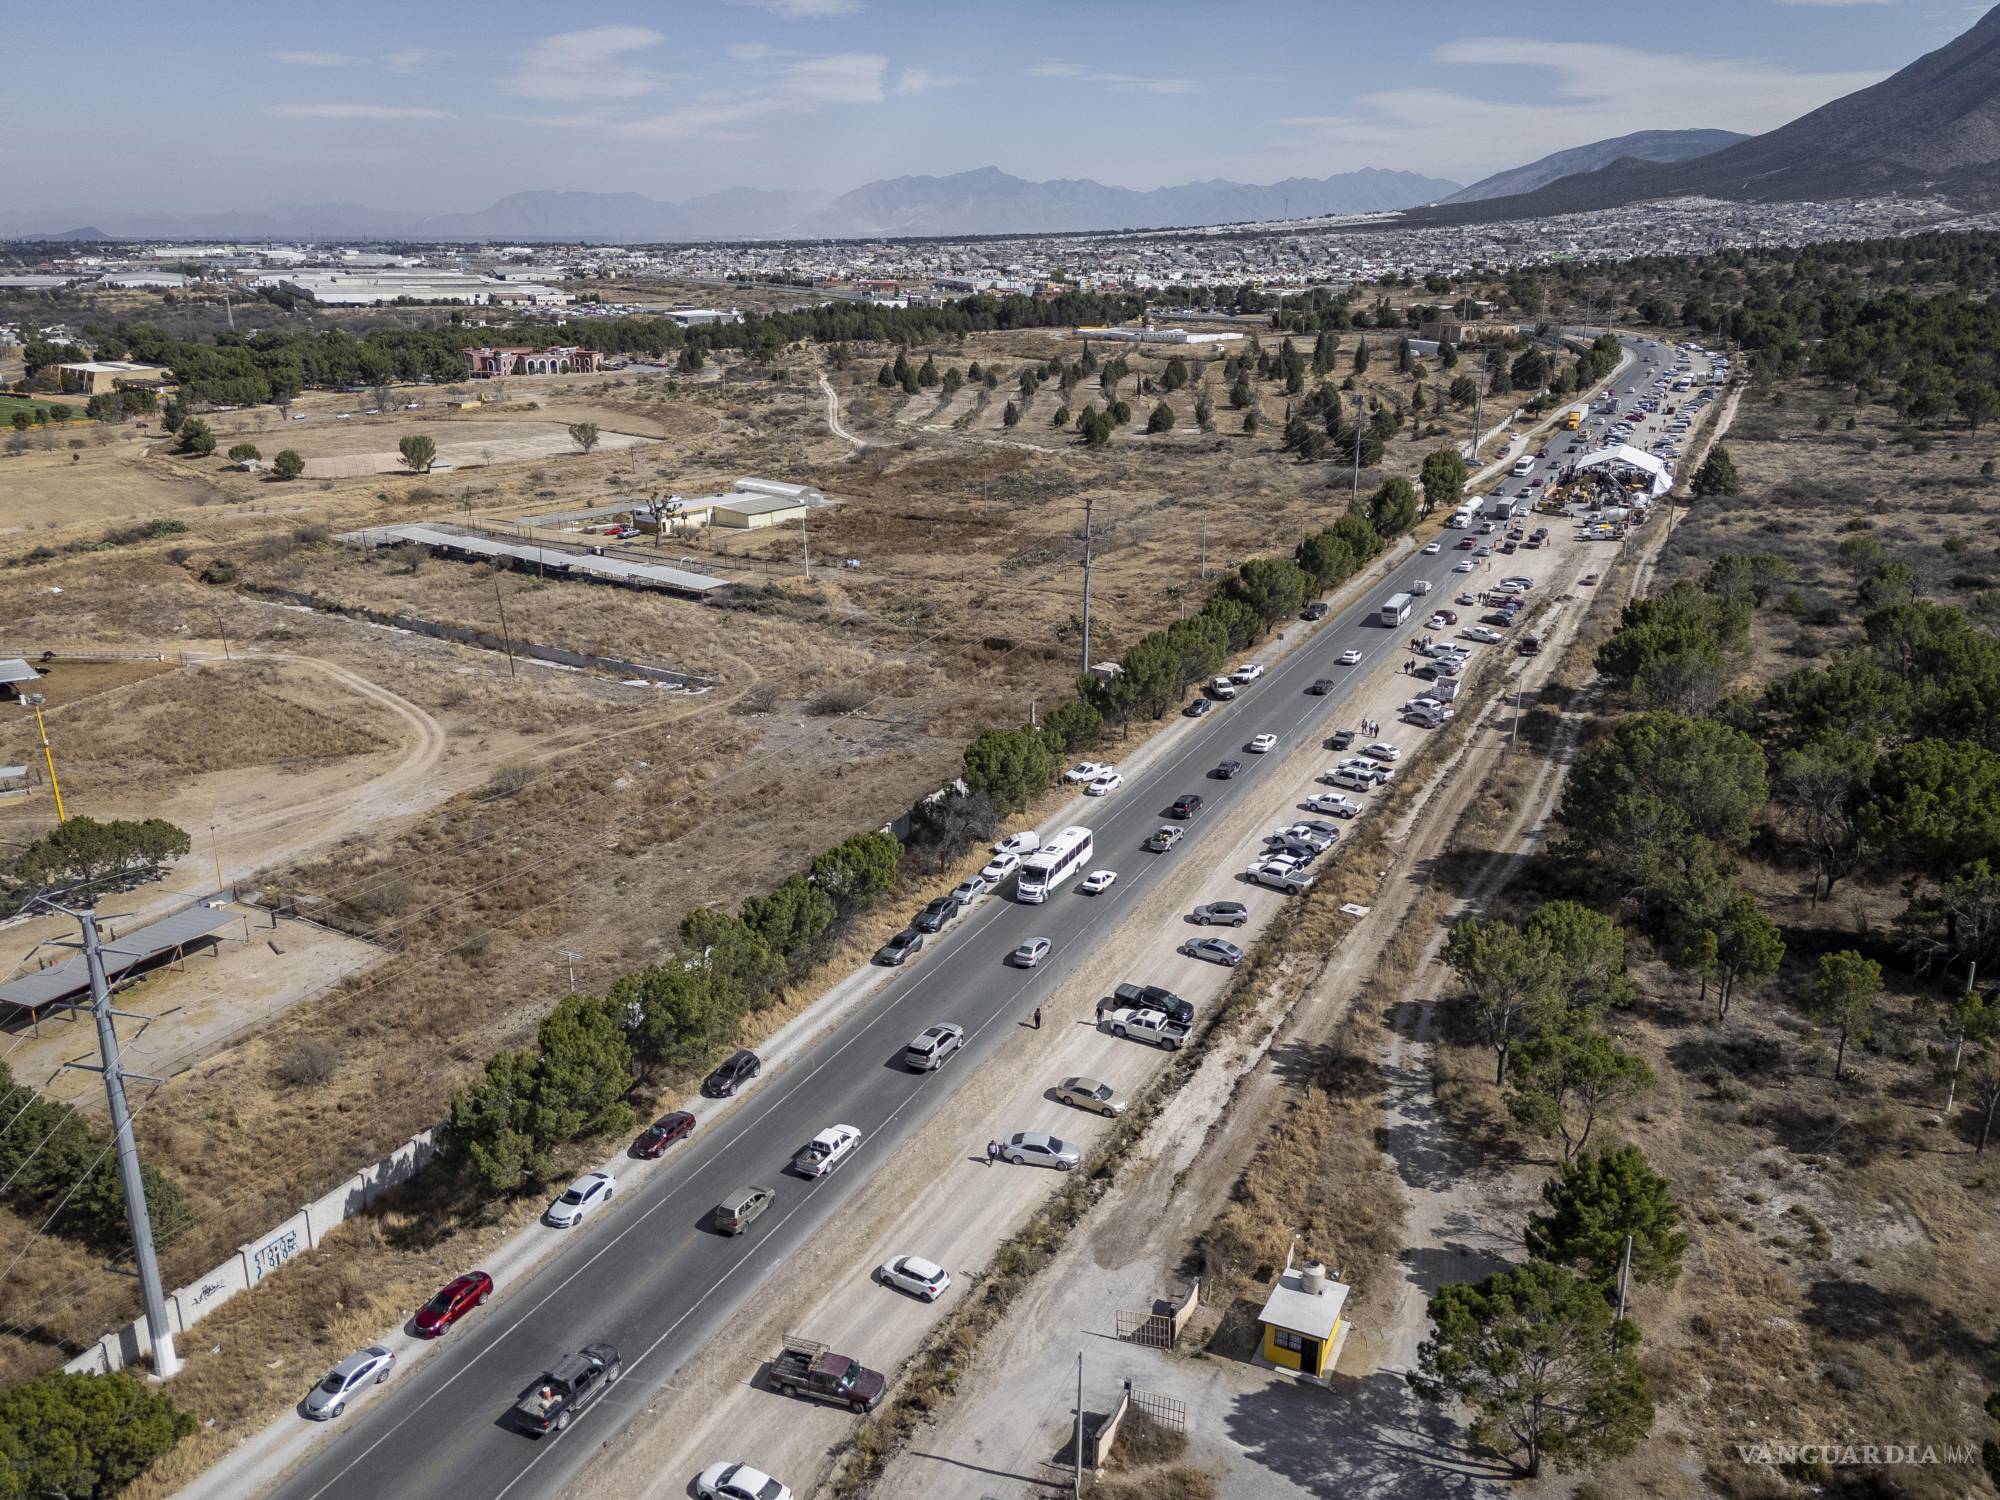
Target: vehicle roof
{"type": "Point", "coordinates": [357, 1359]}
{"type": "Point", "coordinates": [916, 1265]}
{"type": "Point", "coordinates": [1082, 1084]}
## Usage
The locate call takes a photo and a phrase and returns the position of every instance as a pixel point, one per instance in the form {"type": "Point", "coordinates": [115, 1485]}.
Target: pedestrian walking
{"type": "Point", "coordinates": [992, 1152]}
{"type": "Point", "coordinates": [1038, 1018]}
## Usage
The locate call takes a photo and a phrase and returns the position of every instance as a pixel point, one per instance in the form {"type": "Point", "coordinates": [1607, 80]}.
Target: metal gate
{"type": "Point", "coordinates": [1166, 1411]}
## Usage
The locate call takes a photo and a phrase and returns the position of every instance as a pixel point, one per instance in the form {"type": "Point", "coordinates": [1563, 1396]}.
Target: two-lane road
{"type": "Point", "coordinates": [651, 1276]}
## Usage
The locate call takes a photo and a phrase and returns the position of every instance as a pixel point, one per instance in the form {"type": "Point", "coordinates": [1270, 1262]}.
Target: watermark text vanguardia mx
{"type": "Point", "coordinates": [1849, 1455]}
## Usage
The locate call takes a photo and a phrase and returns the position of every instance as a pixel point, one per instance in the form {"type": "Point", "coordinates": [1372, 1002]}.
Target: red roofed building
{"type": "Point", "coordinates": [565, 359]}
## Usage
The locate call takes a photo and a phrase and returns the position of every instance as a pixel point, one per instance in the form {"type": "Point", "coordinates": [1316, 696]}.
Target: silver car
{"type": "Point", "coordinates": [1029, 953]}
{"type": "Point", "coordinates": [1213, 950]}
{"type": "Point", "coordinates": [1031, 1148]}
{"type": "Point", "coordinates": [329, 1398]}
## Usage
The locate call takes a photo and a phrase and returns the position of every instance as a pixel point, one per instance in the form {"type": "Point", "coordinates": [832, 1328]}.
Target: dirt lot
{"type": "Point", "coordinates": [474, 821]}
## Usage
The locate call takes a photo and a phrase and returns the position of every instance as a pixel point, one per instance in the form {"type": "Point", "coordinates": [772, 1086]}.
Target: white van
{"type": "Point", "coordinates": [1421, 586]}
{"type": "Point", "coordinates": [1223, 687]}
{"type": "Point", "coordinates": [1523, 467]}
{"type": "Point", "coordinates": [1351, 779]}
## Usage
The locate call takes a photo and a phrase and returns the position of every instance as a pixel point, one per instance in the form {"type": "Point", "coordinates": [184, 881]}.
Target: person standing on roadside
{"type": "Point", "coordinates": [1038, 1018]}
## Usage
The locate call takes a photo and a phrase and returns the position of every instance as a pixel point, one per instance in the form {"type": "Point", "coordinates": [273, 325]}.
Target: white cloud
{"type": "Point", "coordinates": [587, 64]}
{"type": "Point", "coordinates": [318, 59]}
{"type": "Point", "coordinates": [1584, 91]}
{"type": "Point", "coordinates": [795, 88]}
{"type": "Point", "coordinates": [408, 59]}
{"type": "Point", "coordinates": [356, 112]}
{"type": "Point", "coordinates": [923, 81]}
{"type": "Point", "coordinates": [808, 10]}
{"type": "Point", "coordinates": [1129, 82]}
{"type": "Point", "coordinates": [842, 78]}
{"type": "Point", "coordinates": [755, 51]}
{"type": "Point", "coordinates": [1833, 2]}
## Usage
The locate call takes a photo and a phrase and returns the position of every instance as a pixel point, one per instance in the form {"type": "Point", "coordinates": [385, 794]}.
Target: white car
{"type": "Point", "coordinates": [1250, 671]}
{"type": "Point", "coordinates": [1464, 567]}
{"type": "Point", "coordinates": [1098, 880]}
{"type": "Point", "coordinates": [915, 1275]}
{"type": "Point", "coordinates": [1020, 843]}
{"type": "Point", "coordinates": [738, 1482]}
{"type": "Point", "coordinates": [998, 868]}
{"type": "Point", "coordinates": [1381, 750]}
{"type": "Point", "coordinates": [826, 1150]}
{"type": "Point", "coordinates": [1260, 744]}
{"type": "Point", "coordinates": [583, 1195]}
{"type": "Point", "coordinates": [1333, 802]}
{"type": "Point", "coordinates": [1350, 658]}
{"type": "Point", "coordinates": [329, 1398]}
{"type": "Point", "coordinates": [1432, 549]}
{"type": "Point", "coordinates": [1484, 634]}
{"type": "Point", "coordinates": [1104, 785]}
{"type": "Point", "coordinates": [1083, 771]}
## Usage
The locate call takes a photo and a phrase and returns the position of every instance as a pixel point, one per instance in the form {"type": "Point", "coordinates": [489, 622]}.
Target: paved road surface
{"type": "Point", "coordinates": [654, 1280]}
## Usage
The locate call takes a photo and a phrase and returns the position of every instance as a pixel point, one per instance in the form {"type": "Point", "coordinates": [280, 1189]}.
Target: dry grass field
{"type": "Point", "coordinates": [473, 820]}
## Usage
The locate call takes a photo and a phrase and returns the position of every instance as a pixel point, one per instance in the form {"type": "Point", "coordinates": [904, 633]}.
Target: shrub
{"type": "Point", "coordinates": [309, 1064]}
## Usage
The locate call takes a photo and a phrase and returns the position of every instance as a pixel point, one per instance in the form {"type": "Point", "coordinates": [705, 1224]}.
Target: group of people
{"type": "Point", "coordinates": [1371, 726]}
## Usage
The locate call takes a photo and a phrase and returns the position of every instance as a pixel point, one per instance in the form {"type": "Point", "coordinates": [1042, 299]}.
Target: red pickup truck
{"type": "Point", "coordinates": [803, 1368]}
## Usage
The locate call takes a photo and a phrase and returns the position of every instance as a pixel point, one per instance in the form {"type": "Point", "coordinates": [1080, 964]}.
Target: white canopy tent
{"type": "Point", "coordinates": [1623, 454]}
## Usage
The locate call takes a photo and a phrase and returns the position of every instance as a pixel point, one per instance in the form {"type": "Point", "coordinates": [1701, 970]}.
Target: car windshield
{"type": "Point", "coordinates": [334, 1383]}
{"type": "Point", "coordinates": [440, 1303]}
{"type": "Point", "coordinates": [574, 1195]}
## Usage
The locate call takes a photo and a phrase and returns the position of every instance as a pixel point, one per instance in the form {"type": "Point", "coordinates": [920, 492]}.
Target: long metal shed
{"type": "Point", "coordinates": [59, 982]}
{"type": "Point", "coordinates": [545, 558]}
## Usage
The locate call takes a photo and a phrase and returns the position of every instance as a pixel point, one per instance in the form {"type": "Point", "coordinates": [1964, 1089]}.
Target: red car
{"type": "Point", "coordinates": [454, 1300]}
{"type": "Point", "coordinates": [1467, 544]}
{"type": "Point", "coordinates": [662, 1133]}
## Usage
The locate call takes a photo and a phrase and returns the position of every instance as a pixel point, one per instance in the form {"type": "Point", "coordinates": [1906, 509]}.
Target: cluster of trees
{"type": "Point", "coordinates": [75, 1436]}
{"type": "Point", "coordinates": [85, 852]}
{"type": "Point", "coordinates": [59, 1170]}
{"type": "Point", "coordinates": [503, 1131]}
{"type": "Point", "coordinates": [1549, 1373]}
{"type": "Point", "coordinates": [246, 369]}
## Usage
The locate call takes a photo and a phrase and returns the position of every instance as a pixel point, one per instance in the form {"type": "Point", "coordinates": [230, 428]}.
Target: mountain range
{"type": "Point", "coordinates": [1642, 145]}
{"type": "Point", "coordinates": [1931, 128]}
{"type": "Point", "coordinates": [984, 201]}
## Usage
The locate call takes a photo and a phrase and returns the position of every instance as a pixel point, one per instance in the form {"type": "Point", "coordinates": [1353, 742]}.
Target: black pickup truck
{"type": "Point", "coordinates": [803, 1368]}
{"type": "Point", "coordinates": [577, 1380]}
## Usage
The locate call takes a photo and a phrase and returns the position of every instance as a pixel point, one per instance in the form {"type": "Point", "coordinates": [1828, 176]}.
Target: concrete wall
{"type": "Point", "coordinates": [264, 1256]}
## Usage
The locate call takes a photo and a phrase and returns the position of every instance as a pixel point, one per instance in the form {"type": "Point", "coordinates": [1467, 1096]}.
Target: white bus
{"type": "Point", "coordinates": [1052, 864]}
{"type": "Point", "coordinates": [1395, 609]}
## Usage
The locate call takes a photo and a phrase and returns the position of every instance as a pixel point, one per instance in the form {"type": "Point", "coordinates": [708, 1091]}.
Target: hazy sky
{"type": "Point", "coordinates": [448, 105]}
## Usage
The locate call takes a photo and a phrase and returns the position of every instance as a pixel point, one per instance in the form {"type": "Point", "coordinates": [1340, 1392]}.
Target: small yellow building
{"type": "Point", "coordinates": [1301, 1320]}
{"type": "Point", "coordinates": [94, 377]}
{"type": "Point", "coordinates": [752, 512]}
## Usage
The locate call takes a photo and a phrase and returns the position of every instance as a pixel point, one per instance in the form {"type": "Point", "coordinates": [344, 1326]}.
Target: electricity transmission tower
{"type": "Point", "coordinates": [166, 1363]}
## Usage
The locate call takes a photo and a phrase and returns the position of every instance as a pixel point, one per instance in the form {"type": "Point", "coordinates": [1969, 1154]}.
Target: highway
{"type": "Point", "coordinates": [652, 1278]}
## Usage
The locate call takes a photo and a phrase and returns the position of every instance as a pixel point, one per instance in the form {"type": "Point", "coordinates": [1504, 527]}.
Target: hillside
{"type": "Point", "coordinates": [1641, 145]}
{"type": "Point", "coordinates": [1933, 127]}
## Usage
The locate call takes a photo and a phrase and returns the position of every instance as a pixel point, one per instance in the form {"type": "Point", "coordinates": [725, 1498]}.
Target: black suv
{"type": "Point", "coordinates": [1321, 687]}
{"type": "Point", "coordinates": [933, 917]}
{"type": "Point", "coordinates": [1197, 708]}
{"type": "Point", "coordinates": [737, 1069]}
{"type": "Point", "coordinates": [1226, 770]}
{"type": "Point", "coordinates": [1317, 610]}
{"type": "Point", "coordinates": [1185, 807]}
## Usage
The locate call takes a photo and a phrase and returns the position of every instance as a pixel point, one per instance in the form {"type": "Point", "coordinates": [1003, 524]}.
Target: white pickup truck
{"type": "Point", "coordinates": [1279, 877]}
{"type": "Point", "coordinates": [826, 1151]}
{"type": "Point", "coordinates": [1148, 1026]}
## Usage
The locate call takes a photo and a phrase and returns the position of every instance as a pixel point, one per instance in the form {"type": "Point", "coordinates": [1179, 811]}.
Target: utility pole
{"type": "Point", "coordinates": [1958, 1048]}
{"type": "Point", "coordinates": [1088, 502]}
{"type": "Point", "coordinates": [506, 639]}
{"type": "Point", "coordinates": [1354, 496]}
{"type": "Point", "coordinates": [166, 1363]}
{"type": "Point", "coordinates": [48, 756]}
{"type": "Point", "coordinates": [570, 958]}
{"type": "Point", "coordinates": [1079, 1424]}
{"type": "Point", "coordinates": [805, 549]}
{"type": "Point", "coordinates": [1204, 549]}
{"type": "Point", "coordinates": [1478, 417]}
{"type": "Point", "coordinates": [223, 631]}
{"type": "Point", "coordinates": [1624, 1277]}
